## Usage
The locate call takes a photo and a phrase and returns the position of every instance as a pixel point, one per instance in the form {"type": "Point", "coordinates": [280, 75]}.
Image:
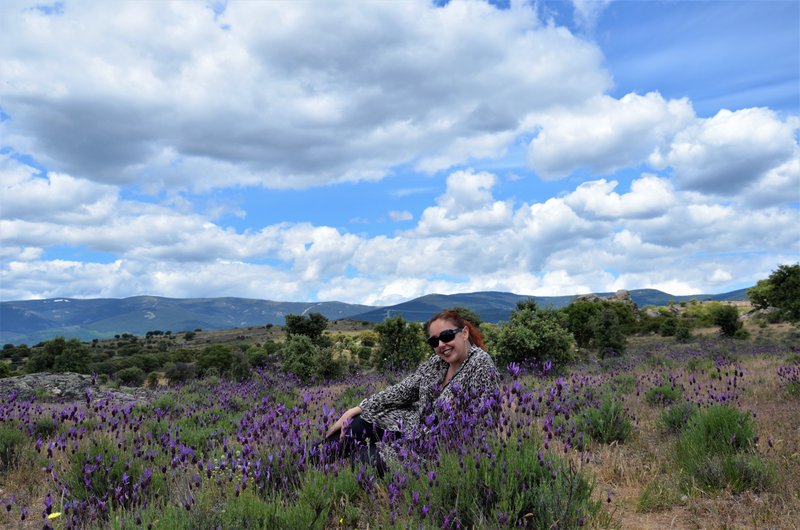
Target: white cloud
{"type": "Point", "coordinates": [467, 205]}
{"type": "Point", "coordinates": [605, 134]}
{"type": "Point", "coordinates": [152, 99]}
{"type": "Point", "coordinates": [727, 153]}
{"type": "Point", "coordinates": [650, 196]}
{"type": "Point", "coordinates": [404, 215]}
{"type": "Point", "coordinates": [588, 11]}
{"type": "Point", "coordinates": [279, 94]}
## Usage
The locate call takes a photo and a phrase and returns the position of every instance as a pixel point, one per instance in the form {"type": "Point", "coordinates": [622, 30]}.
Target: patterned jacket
{"type": "Point", "coordinates": [399, 407]}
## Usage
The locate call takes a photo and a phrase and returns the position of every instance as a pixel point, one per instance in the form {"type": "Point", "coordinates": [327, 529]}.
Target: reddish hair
{"type": "Point", "coordinates": [475, 336]}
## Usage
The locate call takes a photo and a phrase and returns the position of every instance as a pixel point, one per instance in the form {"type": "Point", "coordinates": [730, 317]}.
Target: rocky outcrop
{"type": "Point", "coordinates": [66, 387]}
{"type": "Point", "coordinates": [621, 296]}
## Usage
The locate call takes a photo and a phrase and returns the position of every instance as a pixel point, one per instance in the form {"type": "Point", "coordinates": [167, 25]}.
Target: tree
{"type": "Point", "coordinates": [217, 357]}
{"type": "Point", "coordinates": [683, 331]}
{"type": "Point", "coordinates": [180, 372]}
{"type": "Point", "coordinates": [781, 290]}
{"type": "Point", "coordinates": [401, 344]}
{"type": "Point", "coordinates": [132, 376]}
{"type": "Point", "coordinates": [533, 335]}
{"type": "Point", "coordinates": [240, 366]}
{"type": "Point", "coordinates": [297, 356]}
{"type": "Point", "coordinates": [608, 336]}
{"type": "Point", "coordinates": [311, 326]}
{"type": "Point", "coordinates": [5, 369]}
{"type": "Point", "coordinates": [668, 327]}
{"type": "Point", "coordinates": [727, 318]}
{"type": "Point", "coordinates": [580, 315]}
{"type": "Point", "coordinates": [59, 355]}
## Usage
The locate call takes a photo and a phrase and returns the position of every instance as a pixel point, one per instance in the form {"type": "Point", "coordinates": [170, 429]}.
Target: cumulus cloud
{"type": "Point", "coordinates": [279, 94]}
{"type": "Point", "coordinates": [650, 196]}
{"type": "Point", "coordinates": [605, 134]}
{"type": "Point", "coordinates": [730, 151]}
{"type": "Point", "coordinates": [150, 100]}
{"type": "Point", "coordinates": [466, 205]}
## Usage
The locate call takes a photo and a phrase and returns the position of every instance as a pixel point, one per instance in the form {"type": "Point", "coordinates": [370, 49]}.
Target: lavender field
{"type": "Point", "coordinates": [700, 435]}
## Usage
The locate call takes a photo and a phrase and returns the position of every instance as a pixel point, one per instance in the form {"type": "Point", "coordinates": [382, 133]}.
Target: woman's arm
{"type": "Point", "coordinates": [403, 393]}
{"type": "Point", "coordinates": [348, 415]}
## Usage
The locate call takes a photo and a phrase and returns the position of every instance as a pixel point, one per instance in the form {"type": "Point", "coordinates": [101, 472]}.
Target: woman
{"type": "Point", "coordinates": [459, 359]}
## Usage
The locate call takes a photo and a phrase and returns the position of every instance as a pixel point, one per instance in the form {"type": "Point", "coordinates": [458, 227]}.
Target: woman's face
{"type": "Point", "coordinates": [454, 351]}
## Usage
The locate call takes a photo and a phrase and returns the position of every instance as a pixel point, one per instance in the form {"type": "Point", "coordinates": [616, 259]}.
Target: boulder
{"type": "Point", "coordinates": [65, 386]}
{"type": "Point", "coordinates": [621, 296]}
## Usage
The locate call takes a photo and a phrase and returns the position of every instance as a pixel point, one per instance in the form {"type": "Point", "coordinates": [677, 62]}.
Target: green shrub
{"type": "Point", "coordinates": [537, 487]}
{"type": "Point", "coordinates": [45, 427]}
{"type": "Point", "coordinates": [668, 327]}
{"type": "Point", "coordinates": [727, 318]}
{"type": "Point", "coordinates": [533, 335]}
{"type": "Point", "coordinates": [717, 451]}
{"type": "Point", "coordinates": [683, 332]}
{"type": "Point", "coordinates": [664, 394]}
{"type": "Point", "coordinates": [180, 372]}
{"type": "Point", "coordinates": [132, 376]}
{"type": "Point", "coordinates": [297, 356]}
{"type": "Point", "coordinates": [5, 369]}
{"type": "Point", "coordinates": [609, 338]}
{"type": "Point", "coordinates": [608, 422]}
{"type": "Point", "coordinates": [674, 418]}
{"type": "Point", "coordinates": [12, 444]}
{"type": "Point", "coordinates": [152, 380]}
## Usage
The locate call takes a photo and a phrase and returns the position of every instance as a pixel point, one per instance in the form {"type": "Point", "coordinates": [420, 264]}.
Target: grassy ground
{"type": "Point", "coordinates": [638, 481]}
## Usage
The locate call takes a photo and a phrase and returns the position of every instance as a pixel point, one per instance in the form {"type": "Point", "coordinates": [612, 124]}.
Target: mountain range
{"type": "Point", "coordinates": [32, 321]}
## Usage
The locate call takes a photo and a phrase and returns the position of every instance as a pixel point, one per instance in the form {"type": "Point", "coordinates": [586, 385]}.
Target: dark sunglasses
{"type": "Point", "coordinates": [445, 336]}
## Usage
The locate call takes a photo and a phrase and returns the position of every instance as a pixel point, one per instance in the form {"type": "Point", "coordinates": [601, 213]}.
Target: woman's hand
{"type": "Point", "coordinates": [346, 417]}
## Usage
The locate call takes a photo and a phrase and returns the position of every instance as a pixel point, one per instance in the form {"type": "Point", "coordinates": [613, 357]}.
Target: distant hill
{"type": "Point", "coordinates": [497, 306]}
{"type": "Point", "coordinates": [32, 321]}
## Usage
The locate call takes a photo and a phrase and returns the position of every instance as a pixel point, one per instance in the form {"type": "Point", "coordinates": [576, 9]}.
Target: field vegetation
{"type": "Point", "coordinates": [609, 416]}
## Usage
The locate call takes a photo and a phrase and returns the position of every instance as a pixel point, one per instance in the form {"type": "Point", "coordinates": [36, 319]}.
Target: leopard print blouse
{"type": "Point", "coordinates": [399, 407]}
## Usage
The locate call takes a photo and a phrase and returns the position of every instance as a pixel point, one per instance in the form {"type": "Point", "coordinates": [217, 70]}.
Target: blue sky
{"type": "Point", "coordinates": [373, 152]}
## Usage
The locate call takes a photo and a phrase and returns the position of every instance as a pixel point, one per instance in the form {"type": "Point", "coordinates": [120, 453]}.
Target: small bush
{"type": "Point", "coordinates": [664, 394]}
{"type": "Point", "coordinates": [668, 327]}
{"type": "Point", "coordinates": [717, 451]}
{"type": "Point", "coordinates": [683, 333]}
{"type": "Point", "coordinates": [675, 418]}
{"type": "Point", "coordinates": [727, 318]}
{"type": "Point", "coordinates": [44, 427]}
{"type": "Point", "coordinates": [12, 443]}
{"type": "Point", "coordinates": [132, 376]}
{"type": "Point", "coordinates": [180, 372]}
{"type": "Point", "coordinates": [608, 422]}
{"type": "Point", "coordinates": [152, 380]}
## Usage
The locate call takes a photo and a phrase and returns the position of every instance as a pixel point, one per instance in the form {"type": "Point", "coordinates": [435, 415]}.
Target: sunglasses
{"type": "Point", "coordinates": [445, 336]}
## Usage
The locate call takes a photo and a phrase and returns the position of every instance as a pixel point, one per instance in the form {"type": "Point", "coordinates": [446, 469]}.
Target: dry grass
{"type": "Point", "coordinates": [645, 462]}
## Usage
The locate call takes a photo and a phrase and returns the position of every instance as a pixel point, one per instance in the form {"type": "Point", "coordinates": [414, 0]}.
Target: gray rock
{"type": "Point", "coordinates": [66, 386]}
